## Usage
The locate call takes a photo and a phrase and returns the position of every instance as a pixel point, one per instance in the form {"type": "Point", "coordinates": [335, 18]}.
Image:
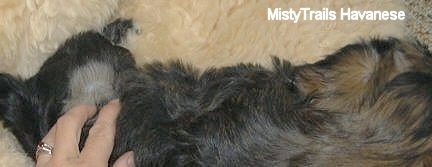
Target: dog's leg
{"type": "Point", "coordinates": [19, 111]}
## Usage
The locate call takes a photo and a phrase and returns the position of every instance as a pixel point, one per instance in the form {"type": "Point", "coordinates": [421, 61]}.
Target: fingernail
{"type": "Point", "coordinates": [131, 160]}
{"type": "Point", "coordinates": [126, 160]}
{"type": "Point", "coordinates": [115, 102]}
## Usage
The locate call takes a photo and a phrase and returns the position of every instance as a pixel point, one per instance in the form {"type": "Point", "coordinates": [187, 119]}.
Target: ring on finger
{"type": "Point", "coordinates": [44, 148]}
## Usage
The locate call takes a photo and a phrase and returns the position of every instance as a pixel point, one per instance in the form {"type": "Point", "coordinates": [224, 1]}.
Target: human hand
{"type": "Point", "coordinates": [64, 137]}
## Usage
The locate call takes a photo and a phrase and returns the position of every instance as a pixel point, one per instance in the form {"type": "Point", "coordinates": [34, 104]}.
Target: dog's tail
{"type": "Point", "coordinates": [117, 31]}
{"type": "Point", "coordinates": [19, 111]}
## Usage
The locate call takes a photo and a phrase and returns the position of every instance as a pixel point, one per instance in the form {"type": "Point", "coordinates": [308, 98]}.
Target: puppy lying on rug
{"type": "Point", "coordinates": [366, 105]}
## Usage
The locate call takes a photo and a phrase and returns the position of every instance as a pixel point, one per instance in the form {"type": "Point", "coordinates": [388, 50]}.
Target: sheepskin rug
{"type": "Point", "coordinates": [31, 30]}
{"type": "Point", "coordinates": [225, 32]}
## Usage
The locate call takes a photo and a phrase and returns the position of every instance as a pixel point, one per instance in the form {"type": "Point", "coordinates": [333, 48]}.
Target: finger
{"type": "Point", "coordinates": [100, 141]}
{"type": "Point", "coordinates": [42, 158]}
{"type": "Point", "coordinates": [126, 160]}
{"type": "Point", "coordinates": [68, 131]}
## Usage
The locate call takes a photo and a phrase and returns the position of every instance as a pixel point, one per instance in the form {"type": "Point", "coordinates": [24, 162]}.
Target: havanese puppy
{"type": "Point", "coordinates": [366, 105]}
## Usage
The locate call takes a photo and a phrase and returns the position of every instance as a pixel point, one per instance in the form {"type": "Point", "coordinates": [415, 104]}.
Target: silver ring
{"type": "Point", "coordinates": [43, 148]}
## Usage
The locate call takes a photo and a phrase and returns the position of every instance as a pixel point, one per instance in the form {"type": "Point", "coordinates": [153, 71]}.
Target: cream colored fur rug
{"type": "Point", "coordinates": [225, 32]}
{"type": "Point", "coordinates": [31, 30]}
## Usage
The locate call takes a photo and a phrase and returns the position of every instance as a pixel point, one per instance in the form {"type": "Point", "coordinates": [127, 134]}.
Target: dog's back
{"type": "Point", "coordinates": [243, 115]}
